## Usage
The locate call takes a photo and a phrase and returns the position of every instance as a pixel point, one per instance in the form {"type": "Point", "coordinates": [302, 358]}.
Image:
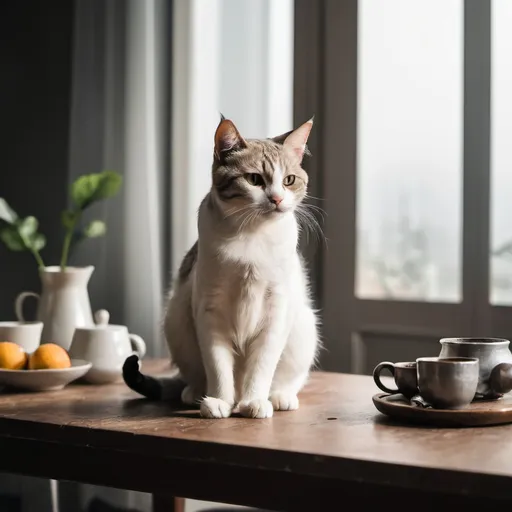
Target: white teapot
{"type": "Point", "coordinates": [107, 347]}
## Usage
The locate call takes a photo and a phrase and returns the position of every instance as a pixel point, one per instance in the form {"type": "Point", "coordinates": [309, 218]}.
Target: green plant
{"type": "Point", "coordinates": [85, 191]}
{"type": "Point", "coordinates": [21, 234]}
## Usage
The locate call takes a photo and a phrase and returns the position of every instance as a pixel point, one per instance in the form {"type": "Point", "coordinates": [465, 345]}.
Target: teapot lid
{"type": "Point", "coordinates": [101, 322]}
{"type": "Point", "coordinates": [101, 317]}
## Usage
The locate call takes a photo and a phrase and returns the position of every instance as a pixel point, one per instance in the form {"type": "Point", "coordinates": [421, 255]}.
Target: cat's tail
{"type": "Point", "coordinates": [162, 388]}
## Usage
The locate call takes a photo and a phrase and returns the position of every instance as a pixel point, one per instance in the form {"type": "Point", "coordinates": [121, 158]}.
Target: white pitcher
{"type": "Point", "coordinates": [63, 304]}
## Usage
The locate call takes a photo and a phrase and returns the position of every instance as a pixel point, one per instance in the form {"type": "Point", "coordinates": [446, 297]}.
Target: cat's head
{"type": "Point", "coordinates": [264, 176]}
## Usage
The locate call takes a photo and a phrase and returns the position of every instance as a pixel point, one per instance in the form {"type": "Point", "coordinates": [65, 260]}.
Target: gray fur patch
{"type": "Point", "coordinates": [188, 262]}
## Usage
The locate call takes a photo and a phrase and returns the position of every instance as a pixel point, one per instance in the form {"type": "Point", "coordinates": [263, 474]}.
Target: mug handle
{"type": "Point", "coordinates": [138, 344]}
{"type": "Point", "coordinates": [18, 304]}
{"type": "Point", "coordinates": [376, 376]}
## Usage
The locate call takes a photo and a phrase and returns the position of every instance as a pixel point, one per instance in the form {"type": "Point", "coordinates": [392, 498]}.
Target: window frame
{"type": "Point", "coordinates": [326, 82]}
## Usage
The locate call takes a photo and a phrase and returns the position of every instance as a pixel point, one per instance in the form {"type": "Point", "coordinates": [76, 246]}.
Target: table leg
{"type": "Point", "coordinates": [166, 503]}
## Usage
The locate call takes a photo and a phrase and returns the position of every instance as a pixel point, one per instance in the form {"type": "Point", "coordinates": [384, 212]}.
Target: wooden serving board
{"type": "Point", "coordinates": [477, 414]}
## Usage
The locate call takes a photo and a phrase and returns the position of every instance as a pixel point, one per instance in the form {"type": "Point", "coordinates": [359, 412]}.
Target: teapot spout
{"type": "Point", "coordinates": [500, 379]}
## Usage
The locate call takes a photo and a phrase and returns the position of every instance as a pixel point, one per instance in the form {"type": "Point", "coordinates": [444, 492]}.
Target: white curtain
{"type": "Point", "coordinates": [119, 117]}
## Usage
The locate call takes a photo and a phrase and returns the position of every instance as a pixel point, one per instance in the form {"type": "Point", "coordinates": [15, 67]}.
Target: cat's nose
{"type": "Point", "coordinates": [276, 199]}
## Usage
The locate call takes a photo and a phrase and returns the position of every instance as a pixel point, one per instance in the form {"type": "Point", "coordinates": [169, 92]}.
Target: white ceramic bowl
{"type": "Point", "coordinates": [44, 380]}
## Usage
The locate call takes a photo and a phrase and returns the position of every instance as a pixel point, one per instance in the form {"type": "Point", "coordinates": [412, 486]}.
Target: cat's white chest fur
{"type": "Point", "coordinates": [250, 278]}
{"type": "Point", "coordinates": [266, 250]}
{"type": "Point", "coordinates": [248, 311]}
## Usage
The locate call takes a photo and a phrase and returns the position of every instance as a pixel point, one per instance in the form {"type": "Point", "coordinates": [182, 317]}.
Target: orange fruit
{"type": "Point", "coordinates": [48, 356]}
{"type": "Point", "coordinates": [12, 356]}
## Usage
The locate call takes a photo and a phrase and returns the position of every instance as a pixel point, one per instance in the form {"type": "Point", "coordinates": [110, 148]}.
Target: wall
{"type": "Point", "coordinates": [34, 100]}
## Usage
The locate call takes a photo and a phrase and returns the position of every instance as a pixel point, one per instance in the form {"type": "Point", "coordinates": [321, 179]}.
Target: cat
{"type": "Point", "coordinates": [239, 322]}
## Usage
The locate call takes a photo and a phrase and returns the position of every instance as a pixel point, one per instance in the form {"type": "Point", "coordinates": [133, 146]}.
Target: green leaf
{"type": "Point", "coordinates": [23, 235]}
{"type": "Point", "coordinates": [37, 242]}
{"type": "Point", "coordinates": [6, 212]}
{"type": "Point", "coordinates": [12, 239]}
{"type": "Point", "coordinates": [28, 227]}
{"type": "Point", "coordinates": [95, 229]}
{"type": "Point", "coordinates": [93, 187]}
{"type": "Point", "coordinates": [68, 218]}
{"type": "Point", "coordinates": [84, 188]}
{"type": "Point", "coordinates": [109, 185]}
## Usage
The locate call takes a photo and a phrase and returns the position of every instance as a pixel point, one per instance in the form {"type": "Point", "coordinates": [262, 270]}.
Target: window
{"type": "Point", "coordinates": [409, 159]}
{"type": "Point", "coordinates": [501, 154]}
{"type": "Point", "coordinates": [415, 162]}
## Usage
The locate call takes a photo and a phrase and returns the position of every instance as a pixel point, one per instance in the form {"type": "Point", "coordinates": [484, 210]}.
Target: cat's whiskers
{"type": "Point", "coordinates": [308, 196]}
{"type": "Point", "coordinates": [308, 221]}
{"type": "Point", "coordinates": [308, 226]}
{"type": "Point", "coordinates": [246, 214]}
{"type": "Point", "coordinates": [318, 209]}
{"type": "Point", "coordinates": [253, 214]}
{"type": "Point", "coordinates": [234, 211]}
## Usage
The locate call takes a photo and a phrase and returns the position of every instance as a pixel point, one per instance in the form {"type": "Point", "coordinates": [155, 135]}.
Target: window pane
{"type": "Point", "coordinates": [501, 154]}
{"type": "Point", "coordinates": [410, 150]}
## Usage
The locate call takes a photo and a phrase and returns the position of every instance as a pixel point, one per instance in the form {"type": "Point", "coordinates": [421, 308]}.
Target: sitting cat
{"type": "Point", "coordinates": [239, 322]}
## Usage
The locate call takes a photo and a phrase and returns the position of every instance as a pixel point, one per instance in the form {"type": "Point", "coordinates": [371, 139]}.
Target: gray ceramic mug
{"type": "Point", "coordinates": [447, 382]}
{"type": "Point", "coordinates": [404, 374]}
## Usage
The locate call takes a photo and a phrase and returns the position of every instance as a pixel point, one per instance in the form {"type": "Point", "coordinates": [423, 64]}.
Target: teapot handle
{"type": "Point", "coordinates": [138, 344]}
{"type": "Point", "coordinates": [18, 304]}
{"type": "Point", "coordinates": [500, 379]}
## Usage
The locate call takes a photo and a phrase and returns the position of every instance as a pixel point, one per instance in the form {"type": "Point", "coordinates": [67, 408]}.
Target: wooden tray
{"type": "Point", "coordinates": [479, 413]}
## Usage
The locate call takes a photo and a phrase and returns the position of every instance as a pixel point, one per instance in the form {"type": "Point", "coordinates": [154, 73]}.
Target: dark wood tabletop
{"type": "Point", "coordinates": [336, 447]}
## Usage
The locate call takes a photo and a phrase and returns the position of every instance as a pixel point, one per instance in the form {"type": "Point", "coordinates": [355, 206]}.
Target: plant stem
{"type": "Point", "coordinates": [36, 254]}
{"type": "Point", "coordinates": [38, 258]}
{"type": "Point", "coordinates": [65, 249]}
{"type": "Point", "coordinates": [67, 241]}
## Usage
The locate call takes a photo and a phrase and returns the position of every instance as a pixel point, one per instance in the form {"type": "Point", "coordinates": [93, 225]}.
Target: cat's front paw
{"type": "Point", "coordinates": [256, 409]}
{"type": "Point", "coordinates": [215, 408]}
{"type": "Point", "coordinates": [284, 401]}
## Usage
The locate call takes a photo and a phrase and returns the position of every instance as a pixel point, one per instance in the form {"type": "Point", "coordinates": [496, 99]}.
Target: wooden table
{"type": "Point", "coordinates": [336, 448]}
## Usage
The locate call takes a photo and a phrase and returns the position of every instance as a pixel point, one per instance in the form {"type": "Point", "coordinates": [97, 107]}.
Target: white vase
{"type": "Point", "coordinates": [62, 305]}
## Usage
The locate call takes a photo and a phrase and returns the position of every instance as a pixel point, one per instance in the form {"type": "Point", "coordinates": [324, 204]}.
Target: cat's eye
{"type": "Point", "coordinates": [289, 180]}
{"type": "Point", "coordinates": [255, 179]}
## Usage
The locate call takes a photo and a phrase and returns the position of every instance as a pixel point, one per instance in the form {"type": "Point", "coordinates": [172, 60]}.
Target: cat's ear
{"type": "Point", "coordinates": [227, 138]}
{"type": "Point", "coordinates": [296, 139]}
